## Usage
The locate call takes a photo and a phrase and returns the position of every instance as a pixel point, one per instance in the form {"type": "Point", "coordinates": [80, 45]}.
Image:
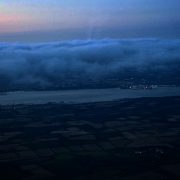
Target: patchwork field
{"type": "Point", "coordinates": [127, 139]}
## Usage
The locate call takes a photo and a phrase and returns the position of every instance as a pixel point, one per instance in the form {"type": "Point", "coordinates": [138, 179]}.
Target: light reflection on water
{"type": "Point", "coordinates": [83, 96]}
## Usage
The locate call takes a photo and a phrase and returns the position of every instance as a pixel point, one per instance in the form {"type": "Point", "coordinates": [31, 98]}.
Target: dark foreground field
{"type": "Point", "coordinates": [122, 140]}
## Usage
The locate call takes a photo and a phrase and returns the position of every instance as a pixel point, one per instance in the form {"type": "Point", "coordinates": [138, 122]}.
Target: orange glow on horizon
{"type": "Point", "coordinates": [10, 18]}
{"type": "Point", "coordinates": [12, 23]}
{"type": "Point", "coordinates": [8, 22]}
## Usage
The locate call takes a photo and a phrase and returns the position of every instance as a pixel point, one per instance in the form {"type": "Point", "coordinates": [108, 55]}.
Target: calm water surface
{"type": "Point", "coordinates": [83, 96]}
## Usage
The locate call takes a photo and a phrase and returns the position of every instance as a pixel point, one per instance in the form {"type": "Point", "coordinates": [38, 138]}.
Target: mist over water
{"type": "Point", "coordinates": [48, 65]}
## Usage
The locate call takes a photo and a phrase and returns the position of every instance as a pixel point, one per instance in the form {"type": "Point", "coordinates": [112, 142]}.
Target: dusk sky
{"type": "Point", "coordinates": [49, 20]}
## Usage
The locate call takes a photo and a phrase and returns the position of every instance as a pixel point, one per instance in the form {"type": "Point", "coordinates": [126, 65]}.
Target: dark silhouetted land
{"type": "Point", "coordinates": [133, 139]}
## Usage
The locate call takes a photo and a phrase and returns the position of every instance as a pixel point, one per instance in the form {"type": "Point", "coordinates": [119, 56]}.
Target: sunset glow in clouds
{"type": "Point", "coordinates": [70, 19]}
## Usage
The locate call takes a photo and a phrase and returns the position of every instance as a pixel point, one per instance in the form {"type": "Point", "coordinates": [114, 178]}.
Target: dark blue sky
{"type": "Point", "coordinates": [49, 20]}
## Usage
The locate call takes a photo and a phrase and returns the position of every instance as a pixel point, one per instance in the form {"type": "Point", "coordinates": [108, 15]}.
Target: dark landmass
{"type": "Point", "coordinates": [133, 139]}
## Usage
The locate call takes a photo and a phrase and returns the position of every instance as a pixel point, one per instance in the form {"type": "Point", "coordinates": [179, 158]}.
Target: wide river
{"type": "Point", "coordinates": [83, 96]}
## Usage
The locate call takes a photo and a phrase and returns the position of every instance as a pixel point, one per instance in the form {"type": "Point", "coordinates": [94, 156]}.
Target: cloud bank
{"type": "Point", "coordinates": [55, 64]}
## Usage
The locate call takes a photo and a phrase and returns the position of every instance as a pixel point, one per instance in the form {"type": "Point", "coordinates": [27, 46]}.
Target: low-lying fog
{"type": "Point", "coordinates": [49, 65]}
